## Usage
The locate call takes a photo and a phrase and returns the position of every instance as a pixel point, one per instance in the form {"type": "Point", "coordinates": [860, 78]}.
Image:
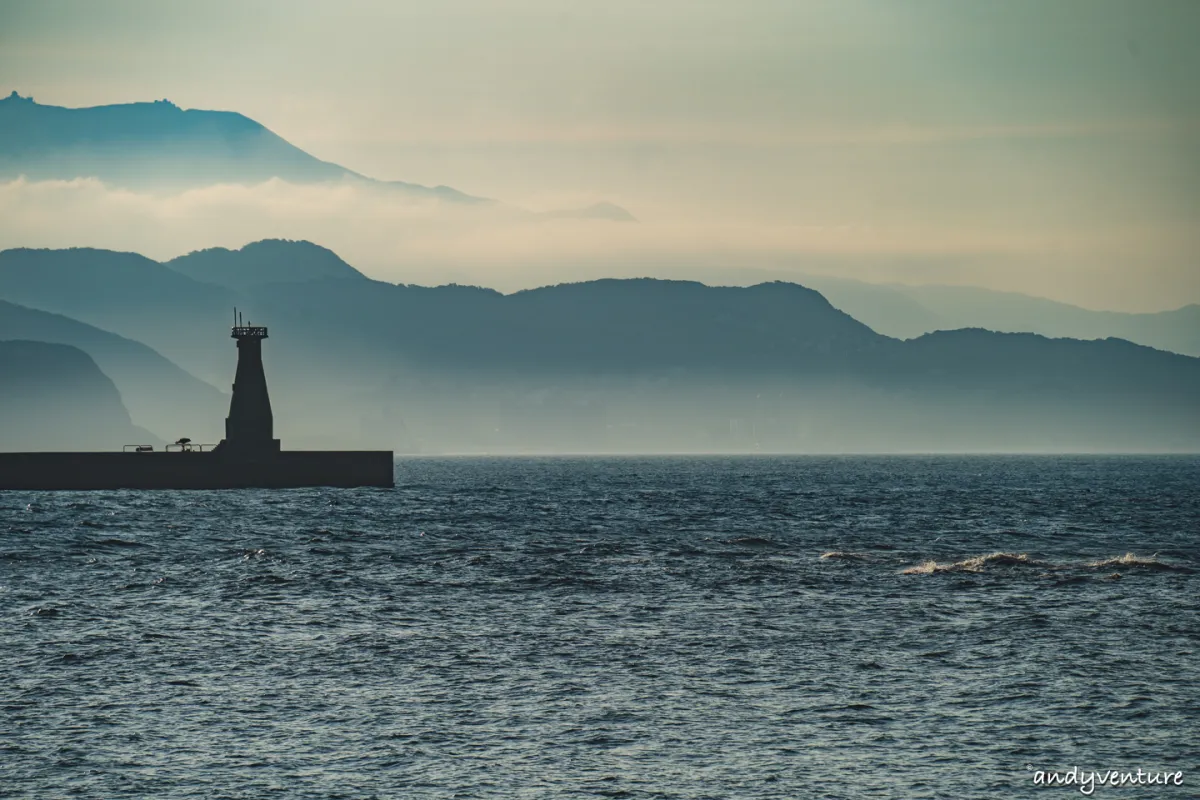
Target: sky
{"type": "Point", "coordinates": [1045, 146]}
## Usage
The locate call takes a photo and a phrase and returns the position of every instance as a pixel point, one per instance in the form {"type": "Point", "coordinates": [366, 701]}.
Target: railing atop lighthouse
{"type": "Point", "coordinates": [241, 331]}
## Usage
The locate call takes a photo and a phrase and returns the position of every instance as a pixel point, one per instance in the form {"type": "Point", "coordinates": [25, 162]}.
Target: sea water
{"type": "Point", "coordinates": [610, 627]}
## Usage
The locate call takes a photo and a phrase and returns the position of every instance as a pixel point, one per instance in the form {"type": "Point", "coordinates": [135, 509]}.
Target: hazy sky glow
{"type": "Point", "coordinates": [1048, 146]}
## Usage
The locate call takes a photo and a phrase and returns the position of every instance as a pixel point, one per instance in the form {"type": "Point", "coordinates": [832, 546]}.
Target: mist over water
{"type": "Point", "coordinates": [621, 627]}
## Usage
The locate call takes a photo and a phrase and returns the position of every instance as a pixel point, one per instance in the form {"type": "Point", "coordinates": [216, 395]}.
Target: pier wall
{"type": "Point", "coordinates": [191, 470]}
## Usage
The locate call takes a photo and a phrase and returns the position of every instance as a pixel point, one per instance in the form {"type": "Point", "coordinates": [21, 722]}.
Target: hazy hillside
{"type": "Point", "coordinates": [159, 144]}
{"type": "Point", "coordinates": [127, 294]}
{"type": "Point", "coordinates": [644, 364]}
{"type": "Point", "coordinates": [1043, 394]}
{"type": "Point", "coordinates": [968, 306]}
{"type": "Point", "coordinates": [54, 397]}
{"type": "Point", "coordinates": [905, 312]}
{"type": "Point", "coordinates": [628, 325]}
{"type": "Point", "coordinates": [361, 330]}
{"type": "Point", "coordinates": [909, 311]}
{"type": "Point", "coordinates": [265, 262]}
{"type": "Point", "coordinates": [887, 309]}
{"type": "Point", "coordinates": [184, 318]}
{"type": "Point", "coordinates": [634, 365]}
{"type": "Point", "coordinates": [159, 395]}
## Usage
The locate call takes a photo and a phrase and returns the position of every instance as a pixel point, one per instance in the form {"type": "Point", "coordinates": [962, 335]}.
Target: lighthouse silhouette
{"type": "Point", "coordinates": [249, 428]}
{"type": "Point", "coordinates": [249, 457]}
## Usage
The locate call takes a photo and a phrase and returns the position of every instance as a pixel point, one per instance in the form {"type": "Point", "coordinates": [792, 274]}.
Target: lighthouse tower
{"type": "Point", "coordinates": [249, 428]}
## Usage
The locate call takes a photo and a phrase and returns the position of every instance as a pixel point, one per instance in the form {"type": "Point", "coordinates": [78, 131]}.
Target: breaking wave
{"type": "Point", "coordinates": [840, 555]}
{"type": "Point", "coordinates": [977, 564]}
{"type": "Point", "coordinates": [1130, 561]}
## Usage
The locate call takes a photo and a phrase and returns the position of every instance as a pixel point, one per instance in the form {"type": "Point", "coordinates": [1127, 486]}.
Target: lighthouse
{"type": "Point", "coordinates": [248, 457]}
{"type": "Point", "coordinates": [249, 428]}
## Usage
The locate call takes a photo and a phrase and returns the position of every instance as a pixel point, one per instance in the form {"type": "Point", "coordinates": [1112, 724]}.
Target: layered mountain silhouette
{"type": "Point", "coordinates": [54, 397]}
{"type": "Point", "coordinates": [905, 311]}
{"type": "Point", "coordinates": [262, 263]}
{"type": "Point", "coordinates": [160, 395]}
{"type": "Point", "coordinates": [127, 294]}
{"type": "Point", "coordinates": [1023, 387]}
{"type": "Point", "coordinates": [1177, 330]}
{"type": "Point", "coordinates": [630, 365]}
{"type": "Point", "coordinates": [158, 145]}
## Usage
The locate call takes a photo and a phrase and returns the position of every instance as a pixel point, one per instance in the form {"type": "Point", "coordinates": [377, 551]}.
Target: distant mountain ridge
{"type": "Point", "coordinates": [127, 294]}
{"type": "Point", "coordinates": [263, 262]}
{"type": "Point", "coordinates": [966, 306]}
{"type": "Point", "coordinates": [159, 395]}
{"type": "Point", "coordinates": [906, 311]}
{"type": "Point", "coordinates": [160, 145]}
{"type": "Point", "coordinates": [54, 397]}
{"type": "Point", "coordinates": [630, 365]}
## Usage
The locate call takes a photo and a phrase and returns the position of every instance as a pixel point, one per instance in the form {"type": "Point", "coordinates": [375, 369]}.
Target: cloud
{"type": "Point", "coordinates": [394, 237]}
{"type": "Point", "coordinates": [377, 223]}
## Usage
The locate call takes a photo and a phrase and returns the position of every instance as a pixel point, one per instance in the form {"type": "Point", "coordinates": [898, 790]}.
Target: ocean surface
{"type": "Point", "coordinates": [610, 627]}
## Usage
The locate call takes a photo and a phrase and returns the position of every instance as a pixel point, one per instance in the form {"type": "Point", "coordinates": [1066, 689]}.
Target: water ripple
{"type": "Point", "coordinates": [641, 628]}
